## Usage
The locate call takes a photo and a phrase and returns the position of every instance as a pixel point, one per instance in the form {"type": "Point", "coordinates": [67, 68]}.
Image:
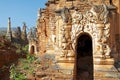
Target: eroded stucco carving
{"type": "Point", "coordinates": [52, 21]}
{"type": "Point", "coordinates": [95, 22]}
{"type": "Point", "coordinates": [65, 15]}
{"type": "Point", "coordinates": [63, 39]}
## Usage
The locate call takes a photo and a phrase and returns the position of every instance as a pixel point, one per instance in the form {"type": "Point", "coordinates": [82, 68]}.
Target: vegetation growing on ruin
{"type": "Point", "coordinates": [23, 68]}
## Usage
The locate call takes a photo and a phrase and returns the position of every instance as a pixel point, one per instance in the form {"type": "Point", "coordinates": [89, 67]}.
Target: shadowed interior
{"type": "Point", "coordinates": [84, 62]}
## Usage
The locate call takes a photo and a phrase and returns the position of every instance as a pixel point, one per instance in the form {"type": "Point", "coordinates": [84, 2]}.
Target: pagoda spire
{"type": "Point", "coordinates": [24, 34]}
{"type": "Point", "coordinates": [9, 32]}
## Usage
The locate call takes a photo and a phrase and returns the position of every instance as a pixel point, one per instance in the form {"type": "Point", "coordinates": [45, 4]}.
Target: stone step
{"type": "Point", "coordinates": [101, 78]}
{"type": "Point", "coordinates": [104, 68]}
{"type": "Point", "coordinates": [66, 60]}
{"type": "Point", "coordinates": [100, 56]}
{"type": "Point", "coordinates": [53, 75]}
{"type": "Point", "coordinates": [48, 78]}
{"type": "Point", "coordinates": [107, 74]}
{"type": "Point", "coordinates": [50, 51]}
{"type": "Point", "coordinates": [100, 61]}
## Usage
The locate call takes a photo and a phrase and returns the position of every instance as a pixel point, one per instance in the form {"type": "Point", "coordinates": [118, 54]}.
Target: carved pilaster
{"type": "Point", "coordinates": [100, 30]}
{"type": "Point", "coordinates": [102, 40]}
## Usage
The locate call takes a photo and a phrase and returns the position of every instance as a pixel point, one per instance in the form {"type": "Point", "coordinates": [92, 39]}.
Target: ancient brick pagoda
{"type": "Point", "coordinates": [82, 35]}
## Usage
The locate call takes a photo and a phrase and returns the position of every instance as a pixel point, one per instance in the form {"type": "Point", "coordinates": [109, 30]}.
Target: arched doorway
{"type": "Point", "coordinates": [32, 50]}
{"type": "Point", "coordinates": [84, 57]}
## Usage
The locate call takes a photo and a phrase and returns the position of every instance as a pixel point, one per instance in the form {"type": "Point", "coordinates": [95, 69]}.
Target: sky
{"type": "Point", "coordinates": [20, 11]}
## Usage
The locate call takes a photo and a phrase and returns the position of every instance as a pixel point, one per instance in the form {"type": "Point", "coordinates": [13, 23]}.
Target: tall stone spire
{"type": "Point", "coordinates": [39, 13]}
{"type": "Point", "coordinates": [24, 34]}
{"type": "Point", "coordinates": [9, 32]}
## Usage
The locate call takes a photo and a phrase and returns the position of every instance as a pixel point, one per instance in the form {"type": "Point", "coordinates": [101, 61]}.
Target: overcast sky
{"type": "Point", "coordinates": [20, 11]}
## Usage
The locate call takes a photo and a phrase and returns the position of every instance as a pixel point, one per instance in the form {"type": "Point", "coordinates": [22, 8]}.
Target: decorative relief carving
{"type": "Point", "coordinates": [100, 13]}
{"type": "Point", "coordinates": [95, 22]}
{"type": "Point", "coordinates": [82, 23]}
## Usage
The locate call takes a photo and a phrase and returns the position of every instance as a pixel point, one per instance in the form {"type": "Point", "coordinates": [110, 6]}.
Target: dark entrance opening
{"type": "Point", "coordinates": [32, 49]}
{"type": "Point", "coordinates": [84, 58]}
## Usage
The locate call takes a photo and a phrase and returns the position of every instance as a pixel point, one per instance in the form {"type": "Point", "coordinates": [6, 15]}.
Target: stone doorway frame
{"type": "Point", "coordinates": [83, 33]}
{"type": "Point", "coordinates": [32, 49]}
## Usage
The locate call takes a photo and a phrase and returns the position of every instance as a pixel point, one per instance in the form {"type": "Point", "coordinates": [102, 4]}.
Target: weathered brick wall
{"type": "Point", "coordinates": [7, 57]}
{"type": "Point", "coordinates": [7, 52]}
